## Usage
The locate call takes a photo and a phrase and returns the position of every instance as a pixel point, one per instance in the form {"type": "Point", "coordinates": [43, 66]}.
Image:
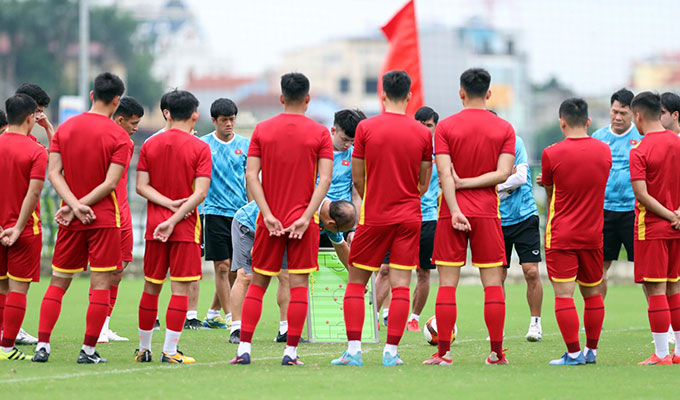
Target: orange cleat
{"type": "Point", "coordinates": [412, 326]}
{"type": "Point", "coordinates": [675, 358]}
{"type": "Point", "coordinates": [493, 358]}
{"type": "Point", "coordinates": [439, 360]}
{"type": "Point", "coordinates": [654, 360]}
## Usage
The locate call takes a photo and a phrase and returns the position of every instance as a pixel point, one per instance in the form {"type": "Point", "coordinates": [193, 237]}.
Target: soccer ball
{"type": "Point", "coordinates": [430, 332]}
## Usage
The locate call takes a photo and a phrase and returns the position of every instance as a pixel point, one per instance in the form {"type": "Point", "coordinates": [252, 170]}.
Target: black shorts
{"type": "Point", "coordinates": [426, 245]}
{"type": "Point", "coordinates": [200, 216]}
{"type": "Point", "coordinates": [617, 231]}
{"type": "Point", "coordinates": [218, 245]}
{"type": "Point", "coordinates": [526, 238]}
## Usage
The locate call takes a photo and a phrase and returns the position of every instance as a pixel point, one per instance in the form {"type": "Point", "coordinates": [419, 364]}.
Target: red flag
{"type": "Point", "coordinates": [403, 53]}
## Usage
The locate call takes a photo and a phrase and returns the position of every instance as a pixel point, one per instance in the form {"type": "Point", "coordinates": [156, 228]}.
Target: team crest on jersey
{"type": "Point", "coordinates": [345, 163]}
{"type": "Point", "coordinates": [238, 151]}
{"type": "Point", "coordinates": [633, 142]}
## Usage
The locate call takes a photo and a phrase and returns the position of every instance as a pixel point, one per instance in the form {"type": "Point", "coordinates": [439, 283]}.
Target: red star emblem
{"type": "Point", "coordinates": [238, 151]}
{"type": "Point", "coordinates": [633, 142]}
{"type": "Point", "coordinates": [345, 163]}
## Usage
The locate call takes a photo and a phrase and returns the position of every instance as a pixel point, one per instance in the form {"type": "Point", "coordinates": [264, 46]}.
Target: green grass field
{"type": "Point", "coordinates": [625, 341]}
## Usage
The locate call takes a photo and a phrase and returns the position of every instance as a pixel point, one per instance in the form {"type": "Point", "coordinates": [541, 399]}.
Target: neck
{"type": "Point", "coordinates": [102, 109]}
{"type": "Point", "coordinates": [325, 211]}
{"type": "Point", "coordinates": [225, 137]}
{"type": "Point", "coordinates": [676, 127]}
{"type": "Point", "coordinates": [651, 126]}
{"type": "Point", "coordinates": [296, 108]}
{"type": "Point", "coordinates": [396, 107]}
{"type": "Point", "coordinates": [184, 126]}
{"type": "Point", "coordinates": [574, 133]}
{"type": "Point", "coordinates": [20, 129]}
{"type": "Point", "coordinates": [475, 104]}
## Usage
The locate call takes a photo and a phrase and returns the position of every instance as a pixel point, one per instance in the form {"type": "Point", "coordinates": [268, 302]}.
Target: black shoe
{"type": "Point", "coordinates": [143, 356]}
{"type": "Point", "coordinates": [235, 337]}
{"type": "Point", "coordinates": [41, 356]}
{"type": "Point", "coordinates": [157, 325]}
{"type": "Point", "coordinates": [281, 338]}
{"type": "Point", "coordinates": [193, 323]}
{"type": "Point", "coordinates": [84, 358]}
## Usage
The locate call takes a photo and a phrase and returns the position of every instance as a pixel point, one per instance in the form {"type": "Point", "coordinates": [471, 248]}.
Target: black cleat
{"type": "Point", "coordinates": [84, 358]}
{"type": "Point", "coordinates": [143, 356]}
{"type": "Point", "coordinates": [243, 359]}
{"type": "Point", "coordinates": [41, 356]}
{"type": "Point", "coordinates": [235, 337]}
{"type": "Point", "coordinates": [193, 323]}
{"type": "Point", "coordinates": [281, 337]}
{"type": "Point", "coordinates": [157, 325]}
{"type": "Point", "coordinates": [287, 360]}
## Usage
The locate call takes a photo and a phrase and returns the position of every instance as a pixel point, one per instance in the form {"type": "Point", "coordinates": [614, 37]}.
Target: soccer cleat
{"type": "Point", "coordinates": [243, 359]}
{"type": "Point", "coordinates": [193, 323]}
{"type": "Point", "coordinates": [215, 323]}
{"type": "Point", "coordinates": [654, 360]}
{"type": "Point", "coordinates": [675, 358]}
{"type": "Point", "coordinates": [235, 337]}
{"type": "Point", "coordinates": [349, 359]}
{"type": "Point", "coordinates": [157, 325]}
{"type": "Point", "coordinates": [566, 360]}
{"type": "Point", "coordinates": [439, 360]}
{"type": "Point", "coordinates": [15, 354]}
{"type": "Point", "coordinates": [412, 326]}
{"type": "Point", "coordinates": [493, 358]}
{"type": "Point", "coordinates": [385, 320]}
{"type": "Point", "coordinates": [84, 358]}
{"type": "Point", "coordinates": [103, 337]}
{"type": "Point", "coordinates": [24, 338]}
{"type": "Point", "coordinates": [590, 356]}
{"type": "Point", "coordinates": [143, 356]}
{"type": "Point", "coordinates": [41, 356]}
{"type": "Point", "coordinates": [287, 360]}
{"type": "Point", "coordinates": [391, 361]}
{"type": "Point", "coordinates": [115, 337]}
{"type": "Point", "coordinates": [177, 358]}
{"type": "Point", "coordinates": [535, 333]}
{"type": "Point", "coordinates": [281, 337]}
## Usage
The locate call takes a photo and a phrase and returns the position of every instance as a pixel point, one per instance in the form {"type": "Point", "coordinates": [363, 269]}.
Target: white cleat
{"type": "Point", "coordinates": [114, 337]}
{"type": "Point", "coordinates": [103, 337]}
{"type": "Point", "coordinates": [535, 333]}
{"type": "Point", "coordinates": [24, 338]}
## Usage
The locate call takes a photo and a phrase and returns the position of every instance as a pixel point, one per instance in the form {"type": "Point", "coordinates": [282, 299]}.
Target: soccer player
{"type": "Point", "coordinates": [226, 195]}
{"type": "Point", "coordinates": [43, 100]}
{"type": "Point", "coordinates": [391, 168]}
{"type": "Point", "coordinates": [173, 174]}
{"type": "Point", "coordinates": [289, 150]}
{"type": "Point", "coordinates": [574, 175]}
{"type": "Point", "coordinates": [23, 163]}
{"type": "Point", "coordinates": [619, 200]}
{"type": "Point", "coordinates": [87, 158]}
{"type": "Point", "coordinates": [475, 151]}
{"type": "Point", "coordinates": [519, 220]}
{"type": "Point", "coordinates": [670, 111]}
{"type": "Point", "coordinates": [657, 223]}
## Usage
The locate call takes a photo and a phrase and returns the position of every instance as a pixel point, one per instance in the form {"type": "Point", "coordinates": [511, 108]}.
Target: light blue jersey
{"type": "Point", "coordinates": [521, 204]}
{"type": "Point", "coordinates": [429, 203]}
{"type": "Point", "coordinates": [341, 184]}
{"type": "Point", "coordinates": [619, 194]}
{"type": "Point", "coordinates": [227, 191]}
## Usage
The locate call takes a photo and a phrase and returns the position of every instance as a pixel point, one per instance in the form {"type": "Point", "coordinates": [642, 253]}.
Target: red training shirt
{"type": "Point", "coordinates": [474, 139]}
{"type": "Point", "coordinates": [289, 147]}
{"type": "Point", "coordinates": [391, 147]}
{"type": "Point", "coordinates": [577, 169]}
{"type": "Point", "coordinates": [174, 159]}
{"type": "Point", "coordinates": [89, 143]}
{"type": "Point", "coordinates": [655, 160]}
{"type": "Point", "coordinates": [122, 191]}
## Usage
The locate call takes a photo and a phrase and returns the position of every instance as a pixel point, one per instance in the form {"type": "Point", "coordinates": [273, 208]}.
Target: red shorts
{"type": "Point", "coordinates": [302, 253]}
{"type": "Point", "coordinates": [182, 259]}
{"type": "Point", "coordinates": [371, 243]}
{"type": "Point", "coordinates": [657, 260]}
{"type": "Point", "coordinates": [74, 248]}
{"type": "Point", "coordinates": [486, 242]}
{"type": "Point", "coordinates": [126, 242]}
{"type": "Point", "coordinates": [583, 266]}
{"type": "Point", "coordinates": [21, 261]}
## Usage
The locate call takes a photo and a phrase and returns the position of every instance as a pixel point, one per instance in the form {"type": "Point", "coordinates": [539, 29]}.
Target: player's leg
{"type": "Point", "coordinates": [238, 294]}
{"type": "Point", "coordinates": [148, 307]}
{"type": "Point", "coordinates": [192, 321]}
{"type": "Point", "coordinates": [126, 244]}
{"type": "Point", "coordinates": [13, 315]}
{"type": "Point", "coordinates": [673, 294]}
{"type": "Point", "coordinates": [612, 240]}
{"type": "Point", "coordinates": [528, 246]}
{"type": "Point", "coordinates": [218, 249]}
{"type": "Point", "coordinates": [383, 288]}
{"type": "Point", "coordinates": [590, 278]}
{"type": "Point", "coordinates": [422, 290]}
{"type": "Point", "coordinates": [222, 297]}
{"type": "Point", "coordinates": [283, 300]}
{"type": "Point", "coordinates": [242, 243]}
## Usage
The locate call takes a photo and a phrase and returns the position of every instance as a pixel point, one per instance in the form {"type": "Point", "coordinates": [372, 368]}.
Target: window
{"type": "Point", "coordinates": [371, 85]}
{"type": "Point", "coordinates": [344, 85]}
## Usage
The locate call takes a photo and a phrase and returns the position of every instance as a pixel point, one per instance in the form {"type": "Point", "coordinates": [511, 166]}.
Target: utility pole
{"type": "Point", "coordinates": [83, 70]}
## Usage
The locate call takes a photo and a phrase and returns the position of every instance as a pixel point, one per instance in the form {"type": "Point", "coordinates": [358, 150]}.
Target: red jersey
{"type": "Point", "coordinates": [122, 191]}
{"type": "Point", "coordinates": [89, 143]}
{"type": "Point", "coordinates": [655, 160]}
{"type": "Point", "coordinates": [474, 139]}
{"type": "Point", "coordinates": [289, 146]}
{"type": "Point", "coordinates": [22, 160]}
{"type": "Point", "coordinates": [391, 147]}
{"type": "Point", "coordinates": [173, 160]}
{"type": "Point", "coordinates": [577, 169]}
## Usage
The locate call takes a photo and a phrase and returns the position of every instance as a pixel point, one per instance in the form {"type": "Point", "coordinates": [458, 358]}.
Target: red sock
{"type": "Point", "coordinates": [297, 312]}
{"type": "Point", "coordinates": [593, 317]}
{"type": "Point", "coordinates": [659, 313]}
{"type": "Point", "coordinates": [3, 299]}
{"type": "Point", "coordinates": [15, 310]}
{"type": "Point", "coordinates": [96, 315]}
{"type": "Point", "coordinates": [354, 310]}
{"type": "Point", "coordinates": [113, 295]}
{"type": "Point", "coordinates": [494, 316]}
{"type": "Point", "coordinates": [49, 312]}
{"type": "Point", "coordinates": [399, 308]}
{"type": "Point", "coordinates": [674, 305]}
{"type": "Point", "coordinates": [177, 312]}
{"type": "Point", "coordinates": [445, 312]}
{"type": "Point", "coordinates": [251, 312]}
{"type": "Point", "coordinates": [148, 310]}
{"type": "Point", "coordinates": [567, 319]}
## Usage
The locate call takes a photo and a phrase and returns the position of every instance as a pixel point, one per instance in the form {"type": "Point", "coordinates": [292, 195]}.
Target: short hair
{"type": "Point", "coordinates": [294, 87]}
{"type": "Point", "coordinates": [574, 112]}
{"type": "Point", "coordinates": [425, 114]}
{"type": "Point", "coordinates": [396, 85]}
{"type": "Point", "coordinates": [343, 212]}
{"type": "Point", "coordinates": [19, 107]}
{"type": "Point", "coordinates": [224, 107]}
{"type": "Point", "coordinates": [475, 82]}
{"type": "Point", "coordinates": [648, 104]}
{"type": "Point", "coordinates": [107, 86]}
{"type": "Point", "coordinates": [671, 102]}
{"type": "Point", "coordinates": [35, 92]}
{"type": "Point", "coordinates": [348, 119]}
{"type": "Point", "coordinates": [129, 107]}
{"type": "Point", "coordinates": [623, 96]}
{"type": "Point", "coordinates": [181, 104]}
{"type": "Point", "coordinates": [3, 119]}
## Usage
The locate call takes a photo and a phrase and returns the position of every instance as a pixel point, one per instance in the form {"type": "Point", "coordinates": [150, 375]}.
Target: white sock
{"type": "Point", "coordinates": [193, 314]}
{"type": "Point", "coordinates": [283, 327]}
{"type": "Point", "coordinates": [386, 312]}
{"type": "Point", "coordinates": [677, 343]}
{"type": "Point", "coordinates": [354, 347]}
{"type": "Point", "coordinates": [414, 316]}
{"type": "Point", "coordinates": [145, 339]}
{"type": "Point", "coordinates": [235, 326]}
{"type": "Point", "coordinates": [105, 327]}
{"type": "Point", "coordinates": [227, 316]}
{"type": "Point", "coordinates": [536, 320]}
{"type": "Point", "coordinates": [171, 340]}
{"type": "Point", "coordinates": [43, 345]}
{"type": "Point", "coordinates": [290, 351]}
{"type": "Point", "coordinates": [6, 349]}
{"type": "Point", "coordinates": [390, 348]}
{"type": "Point", "coordinates": [243, 347]}
{"type": "Point", "coordinates": [211, 314]}
{"type": "Point", "coordinates": [89, 350]}
{"type": "Point", "coordinates": [660, 344]}
{"type": "Point", "coordinates": [574, 355]}
{"type": "Point", "coordinates": [585, 350]}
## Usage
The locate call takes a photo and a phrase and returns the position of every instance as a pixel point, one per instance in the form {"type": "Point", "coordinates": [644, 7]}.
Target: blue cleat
{"type": "Point", "coordinates": [590, 356]}
{"type": "Point", "coordinates": [243, 359]}
{"type": "Point", "coordinates": [288, 360]}
{"type": "Point", "coordinates": [391, 361]}
{"type": "Point", "coordinates": [215, 323]}
{"type": "Point", "coordinates": [349, 359]}
{"type": "Point", "coordinates": [566, 360]}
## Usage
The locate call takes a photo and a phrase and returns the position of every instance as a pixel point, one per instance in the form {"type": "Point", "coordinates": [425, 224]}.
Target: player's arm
{"type": "Point", "coordinates": [10, 235]}
{"type": "Point", "coordinates": [147, 191]}
{"type": "Point", "coordinates": [425, 174]}
{"type": "Point", "coordinates": [359, 176]}
{"type": "Point", "coordinates": [356, 198]}
{"type": "Point", "coordinates": [54, 173]}
{"type": "Point", "coordinates": [493, 178]}
{"type": "Point", "coordinates": [325, 170]}
{"type": "Point", "coordinates": [113, 175]}
{"type": "Point", "coordinates": [256, 190]}
{"type": "Point", "coordinates": [445, 170]}
{"type": "Point", "coordinates": [548, 193]}
{"type": "Point", "coordinates": [517, 179]}
{"type": "Point", "coordinates": [342, 250]}
{"type": "Point", "coordinates": [165, 228]}
{"type": "Point", "coordinates": [652, 204]}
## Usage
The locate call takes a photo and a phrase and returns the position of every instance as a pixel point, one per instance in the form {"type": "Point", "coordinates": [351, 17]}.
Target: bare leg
{"type": "Point", "coordinates": [421, 291]}
{"type": "Point", "coordinates": [534, 288]}
{"type": "Point", "coordinates": [238, 293]}
{"type": "Point", "coordinates": [606, 265]}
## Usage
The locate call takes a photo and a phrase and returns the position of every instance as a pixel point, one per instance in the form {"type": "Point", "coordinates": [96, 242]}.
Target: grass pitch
{"type": "Point", "coordinates": [624, 342]}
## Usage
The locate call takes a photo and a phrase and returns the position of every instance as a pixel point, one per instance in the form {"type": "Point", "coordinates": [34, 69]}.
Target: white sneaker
{"type": "Point", "coordinates": [114, 337]}
{"type": "Point", "coordinates": [24, 338]}
{"type": "Point", "coordinates": [103, 337]}
{"type": "Point", "coordinates": [488, 338]}
{"type": "Point", "coordinates": [535, 333]}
